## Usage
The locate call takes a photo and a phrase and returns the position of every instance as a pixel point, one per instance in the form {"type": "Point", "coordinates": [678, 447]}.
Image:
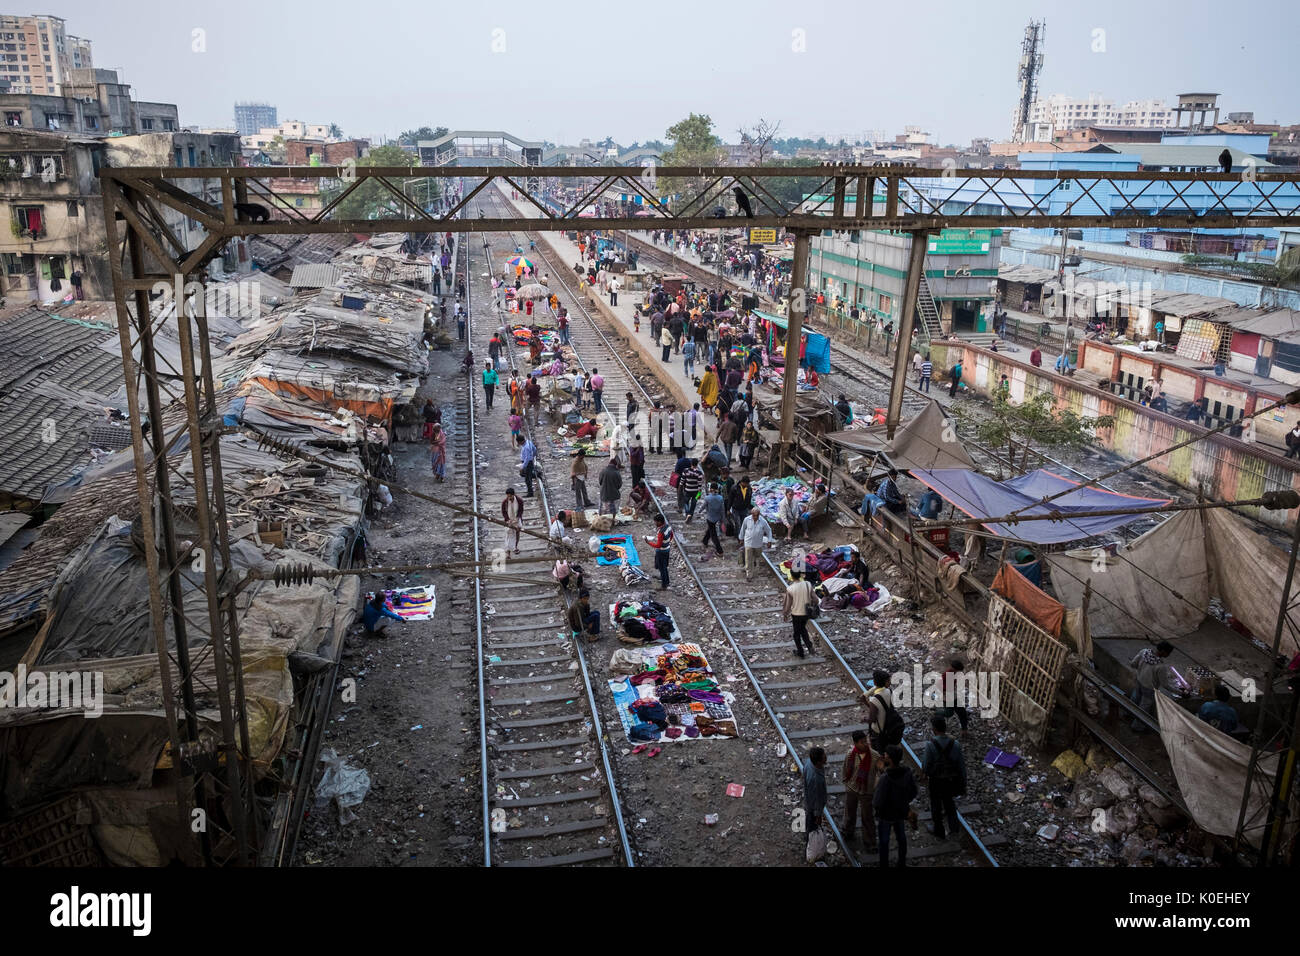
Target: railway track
{"type": "Point", "coordinates": [811, 701]}
{"type": "Point", "coordinates": [549, 797]}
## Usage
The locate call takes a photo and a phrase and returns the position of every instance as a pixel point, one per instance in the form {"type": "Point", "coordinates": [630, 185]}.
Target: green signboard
{"type": "Point", "coordinates": [960, 242]}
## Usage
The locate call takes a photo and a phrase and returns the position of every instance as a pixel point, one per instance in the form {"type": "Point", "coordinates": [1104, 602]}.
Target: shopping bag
{"type": "Point", "coordinates": [816, 845]}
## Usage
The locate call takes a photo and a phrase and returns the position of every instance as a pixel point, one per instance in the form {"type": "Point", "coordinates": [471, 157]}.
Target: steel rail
{"type": "Point", "coordinates": [597, 727]}
{"type": "Point", "coordinates": [849, 854]}
{"type": "Point", "coordinates": [690, 565]}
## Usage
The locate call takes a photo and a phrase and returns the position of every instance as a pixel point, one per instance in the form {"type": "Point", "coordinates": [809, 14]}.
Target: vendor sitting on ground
{"type": "Point", "coordinates": [791, 512]}
{"type": "Point", "coordinates": [557, 528]}
{"type": "Point", "coordinates": [588, 429]}
{"type": "Point", "coordinates": [640, 499]}
{"type": "Point", "coordinates": [930, 505]}
{"type": "Point", "coordinates": [376, 615]}
{"type": "Point", "coordinates": [584, 620]}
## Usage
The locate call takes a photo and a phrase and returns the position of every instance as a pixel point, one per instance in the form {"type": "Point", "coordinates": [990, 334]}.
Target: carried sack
{"type": "Point", "coordinates": [816, 845]}
{"type": "Point", "coordinates": [674, 478]}
{"type": "Point", "coordinates": [813, 606]}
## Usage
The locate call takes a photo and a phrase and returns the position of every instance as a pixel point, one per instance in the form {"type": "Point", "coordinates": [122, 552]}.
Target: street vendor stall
{"type": "Point", "coordinates": [814, 348]}
{"type": "Point", "coordinates": [668, 692]}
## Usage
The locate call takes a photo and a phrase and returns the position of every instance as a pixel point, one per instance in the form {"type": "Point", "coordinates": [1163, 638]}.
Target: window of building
{"type": "Point", "coordinates": [92, 122]}
{"type": "Point", "coordinates": [13, 118]}
{"type": "Point", "coordinates": [180, 160]}
{"type": "Point", "coordinates": [169, 125]}
{"type": "Point", "coordinates": [31, 220]}
{"type": "Point", "coordinates": [74, 211]}
{"type": "Point", "coordinates": [50, 167]}
{"type": "Point", "coordinates": [190, 152]}
{"type": "Point", "coordinates": [146, 123]}
{"type": "Point", "coordinates": [885, 303]}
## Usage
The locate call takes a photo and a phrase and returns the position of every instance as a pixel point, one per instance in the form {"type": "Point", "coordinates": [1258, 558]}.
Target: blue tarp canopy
{"type": "Point", "coordinates": [817, 347]}
{"type": "Point", "coordinates": [980, 496]}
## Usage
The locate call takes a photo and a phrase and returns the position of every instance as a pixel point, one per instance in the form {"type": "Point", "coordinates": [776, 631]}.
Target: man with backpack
{"type": "Point", "coordinates": [884, 722]}
{"type": "Point", "coordinates": [943, 767]}
{"type": "Point", "coordinates": [800, 599]}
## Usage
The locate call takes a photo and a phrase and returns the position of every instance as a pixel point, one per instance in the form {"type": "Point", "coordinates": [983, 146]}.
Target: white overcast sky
{"type": "Point", "coordinates": [630, 69]}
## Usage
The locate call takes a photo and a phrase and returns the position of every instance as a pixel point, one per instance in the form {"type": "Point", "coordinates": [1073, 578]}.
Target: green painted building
{"type": "Point", "coordinates": [868, 269]}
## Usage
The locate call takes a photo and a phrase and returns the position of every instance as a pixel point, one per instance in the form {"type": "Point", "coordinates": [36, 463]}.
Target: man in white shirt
{"type": "Point", "coordinates": [791, 513]}
{"type": "Point", "coordinates": [755, 533]}
{"type": "Point", "coordinates": [798, 596]}
{"type": "Point", "coordinates": [613, 290]}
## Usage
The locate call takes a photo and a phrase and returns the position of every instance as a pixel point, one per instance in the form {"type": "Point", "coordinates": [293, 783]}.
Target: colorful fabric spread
{"type": "Point", "coordinates": [837, 589]}
{"type": "Point", "coordinates": [524, 333]}
{"type": "Point", "coordinates": [410, 604]}
{"type": "Point", "coordinates": [614, 548]}
{"type": "Point", "coordinates": [770, 492]}
{"type": "Point", "coordinates": [673, 697]}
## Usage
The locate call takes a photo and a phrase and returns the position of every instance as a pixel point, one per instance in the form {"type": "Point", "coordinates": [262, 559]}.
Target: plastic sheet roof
{"type": "Point", "coordinates": [980, 496]}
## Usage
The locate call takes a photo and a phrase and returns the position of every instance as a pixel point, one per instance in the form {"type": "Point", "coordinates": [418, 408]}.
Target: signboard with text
{"type": "Point", "coordinates": [960, 242]}
{"type": "Point", "coordinates": [762, 237]}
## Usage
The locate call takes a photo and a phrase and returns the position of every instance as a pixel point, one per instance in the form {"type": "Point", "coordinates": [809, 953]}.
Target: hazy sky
{"type": "Point", "coordinates": [562, 71]}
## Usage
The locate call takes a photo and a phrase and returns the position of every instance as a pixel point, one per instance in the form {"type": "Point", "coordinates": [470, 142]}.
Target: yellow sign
{"type": "Point", "coordinates": [762, 236]}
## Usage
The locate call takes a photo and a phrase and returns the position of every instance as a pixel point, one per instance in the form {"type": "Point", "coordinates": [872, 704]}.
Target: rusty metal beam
{"type": "Point", "coordinates": [906, 322]}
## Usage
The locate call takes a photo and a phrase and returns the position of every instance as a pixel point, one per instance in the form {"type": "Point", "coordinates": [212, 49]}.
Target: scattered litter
{"type": "Point", "coordinates": [1000, 758]}
{"type": "Point", "coordinates": [735, 789]}
{"type": "Point", "coordinates": [418, 727]}
{"type": "Point", "coordinates": [710, 819]}
{"type": "Point", "coordinates": [1048, 831]}
{"type": "Point", "coordinates": [346, 785]}
{"type": "Point", "coordinates": [781, 750]}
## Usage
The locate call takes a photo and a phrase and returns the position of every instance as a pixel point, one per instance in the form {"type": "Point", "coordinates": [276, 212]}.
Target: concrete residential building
{"type": "Point", "coordinates": [251, 117]}
{"type": "Point", "coordinates": [1063, 112]}
{"type": "Point", "coordinates": [94, 103]}
{"type": "Point", "coordinates": [37, 54]}
{"type": "Point", "coordinates": [50, 198]}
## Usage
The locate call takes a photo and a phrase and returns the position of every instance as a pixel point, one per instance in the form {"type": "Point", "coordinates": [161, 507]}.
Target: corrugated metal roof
{"type": "Point", "coordinates": [314, 275]}
{"type": "Point", "coordinates": [1025, 273]}
{"type": "Point", "coordinates": [1173, 154]}
{"type": "Point", "coordinates": [1185, 304]}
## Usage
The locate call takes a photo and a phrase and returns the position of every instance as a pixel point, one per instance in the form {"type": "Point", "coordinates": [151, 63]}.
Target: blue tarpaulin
{"type": "Point", "coordinates": [979, 496]}
{"type": "Point", "coordinates": [817, 347]}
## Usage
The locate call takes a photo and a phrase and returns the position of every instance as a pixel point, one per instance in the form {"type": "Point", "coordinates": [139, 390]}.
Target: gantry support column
{"type": "Point", "coordinates": [799, 296]}
{"type": "Point", "coordinates": [906, 322]}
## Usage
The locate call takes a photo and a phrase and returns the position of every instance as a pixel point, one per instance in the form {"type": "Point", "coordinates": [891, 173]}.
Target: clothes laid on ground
{"type": "Point", "coordinates": [673, 695]}
{"type": "Point", "coordinates": [770, 492]}
{"type": "Point", "coordinates": [647, 621]}
{"type": "Point", "coordinates": [614, 548]}
{"type": "Point", "coordinates": [410, 604]}
{"type": "Point", "coordinates": [835, 584]}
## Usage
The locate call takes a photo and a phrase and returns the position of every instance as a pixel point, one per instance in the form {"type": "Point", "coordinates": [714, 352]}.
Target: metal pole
{"type": "Point", "coordinates": [906, 322]}
{"type": "Point", "coordinates": [794, 335]}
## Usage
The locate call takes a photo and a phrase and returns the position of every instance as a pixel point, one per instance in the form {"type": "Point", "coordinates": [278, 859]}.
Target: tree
{"type": "Point", "coordinates": [371, 200]}
{"type": "Point", "coordinates": [1036, 418]}
{"type": "Point", "coordinates": [276, 151]}
{"type": "Point", "coordinates": [335, 132]}
{"type": "Point", "coordinates": [792, 190]}
{"type": "Point", "coordinates": [758, 139]}
{"type": "Point", "coordinates": [413, 136]}
{"type": "Point", "coordinates": [693, 145]}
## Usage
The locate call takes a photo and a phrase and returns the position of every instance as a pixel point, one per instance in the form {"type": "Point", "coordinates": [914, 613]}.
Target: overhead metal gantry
{"type": "Point", "coordinates": [212, 764]}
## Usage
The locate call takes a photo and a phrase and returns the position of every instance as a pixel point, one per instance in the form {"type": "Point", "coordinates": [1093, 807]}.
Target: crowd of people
{"type": "Point", "coordinates": [742, 262]}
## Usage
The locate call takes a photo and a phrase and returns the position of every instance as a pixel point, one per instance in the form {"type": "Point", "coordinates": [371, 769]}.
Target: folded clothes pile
{"type": "Point", "coordinates": [770, 492]}
{"type": "Point", "coordinates": [643, 622]}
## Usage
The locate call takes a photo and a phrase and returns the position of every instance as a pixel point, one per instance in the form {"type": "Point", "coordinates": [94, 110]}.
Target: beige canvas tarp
{"type": "Point", "coordinates": [1211, 768]}
{"type": "Point", "coordinates": [1247, 573]}
{"type": "Point", "coordinates": [925, 441]}
{"type": "Point", "coordinates": [1164, 580]}
{"type": "Point", "coordinates": [1133, 591]}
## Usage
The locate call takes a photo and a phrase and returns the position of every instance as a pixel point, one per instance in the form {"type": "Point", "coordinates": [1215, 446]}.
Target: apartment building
{"type": "Point", "coordinates": [50, 196]}
{"type": "Point", "coordinates": [1063, 112]}
{"type": "Point", "coordinates": [94, 103]}
{"type": "Point", "coordinates": [37, 54]}
{"type": "Point", "coordinates": [251, 117]}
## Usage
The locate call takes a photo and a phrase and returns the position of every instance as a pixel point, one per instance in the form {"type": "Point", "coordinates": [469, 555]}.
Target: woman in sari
{"type": "Point", "coordinates": [438, 452]}
{"type": "Point", "coordinates": [709, 388]}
